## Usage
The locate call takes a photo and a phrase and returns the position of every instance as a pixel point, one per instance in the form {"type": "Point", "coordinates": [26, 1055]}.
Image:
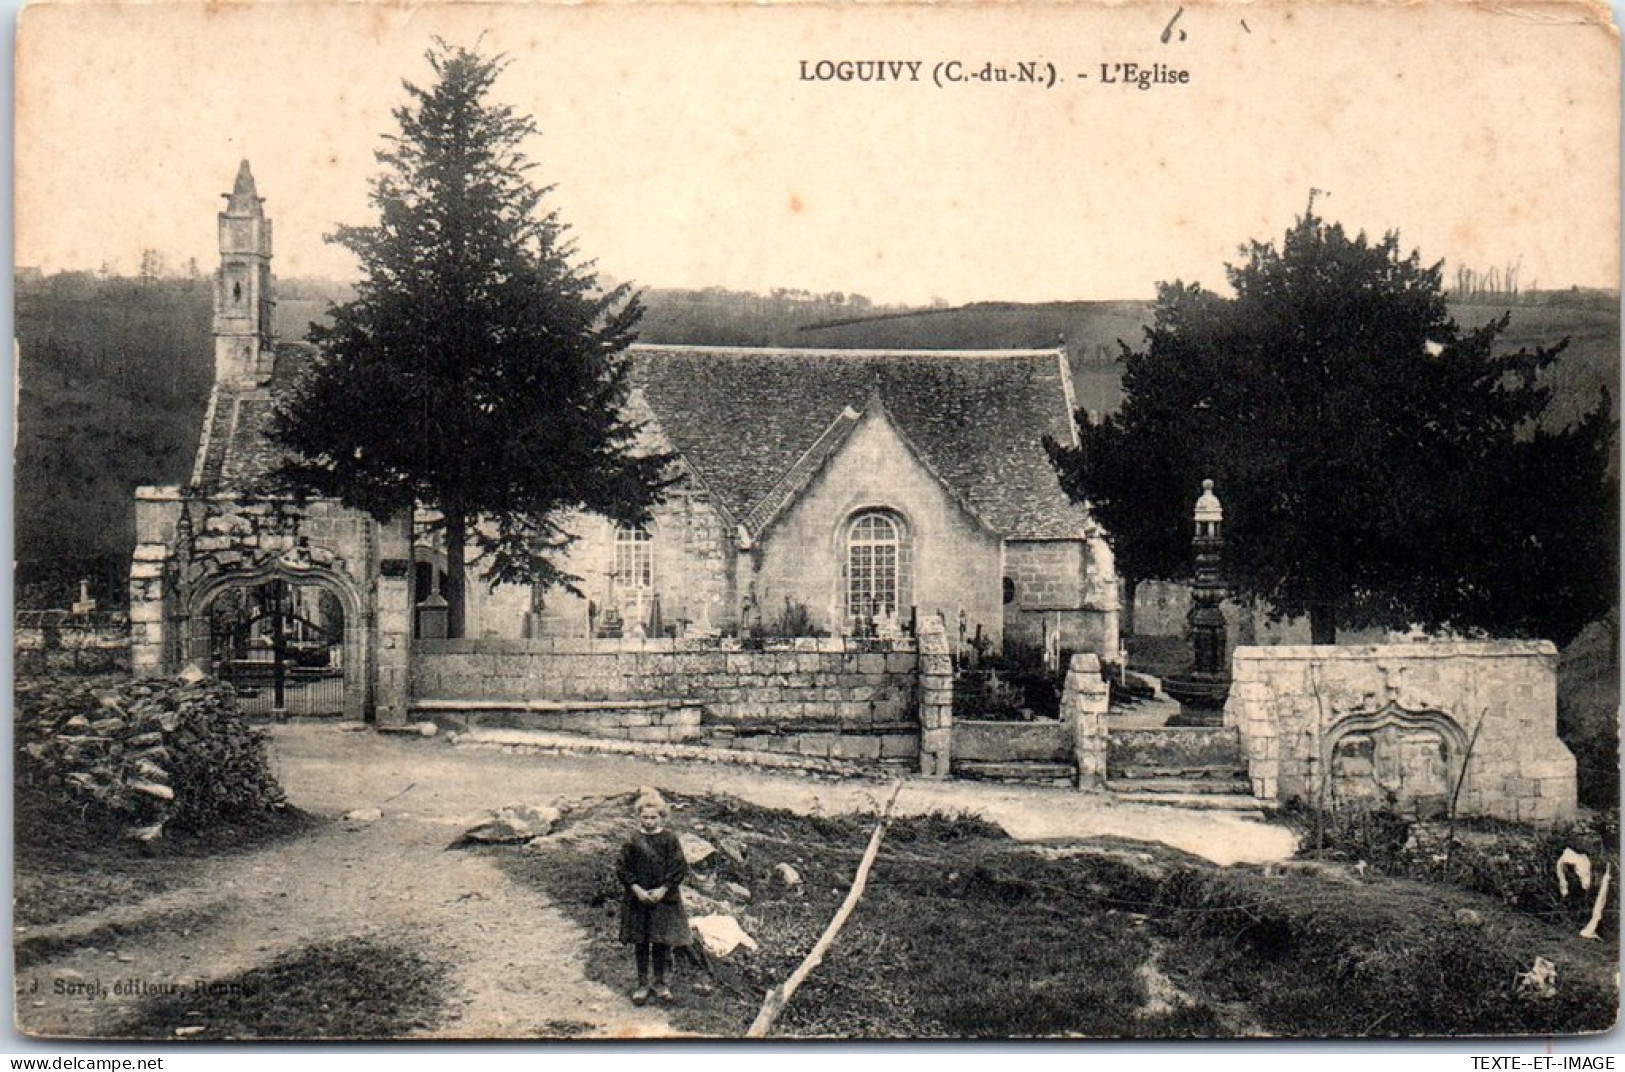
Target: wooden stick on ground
{"type": "Point", "coordinates": [779, 996]}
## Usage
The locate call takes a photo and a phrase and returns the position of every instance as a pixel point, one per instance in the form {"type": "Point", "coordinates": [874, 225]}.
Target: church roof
{"type": "Point", "coordinates": [756, 424]}
{"type": "Point", "coordinates": [235, 451]}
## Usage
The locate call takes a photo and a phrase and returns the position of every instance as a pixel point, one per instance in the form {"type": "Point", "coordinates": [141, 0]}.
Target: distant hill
{"type": "Point", "coordinates": [301, 302]}
{"type": "Point", "coordinates": [1589, 366]}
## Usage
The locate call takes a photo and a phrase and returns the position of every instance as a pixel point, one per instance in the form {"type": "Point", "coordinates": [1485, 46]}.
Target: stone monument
{"type": "Point", "coordinates": [1203, 689]}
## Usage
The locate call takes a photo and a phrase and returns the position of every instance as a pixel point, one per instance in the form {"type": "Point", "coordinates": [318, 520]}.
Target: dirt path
{"type": "Point", "coordinates": [518, 971]}
{"type": "Point", "coordinates": [518, 963]}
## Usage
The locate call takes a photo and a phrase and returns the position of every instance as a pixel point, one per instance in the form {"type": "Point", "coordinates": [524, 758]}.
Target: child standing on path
{"type": "Point", "coordinates": [651, 871]}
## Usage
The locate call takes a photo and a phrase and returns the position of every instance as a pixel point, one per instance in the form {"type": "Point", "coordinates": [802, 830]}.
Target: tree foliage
{"type": "Point", "coordinates": [1378, 463]}
{"type": "Point", "coordinates": [478, 369]}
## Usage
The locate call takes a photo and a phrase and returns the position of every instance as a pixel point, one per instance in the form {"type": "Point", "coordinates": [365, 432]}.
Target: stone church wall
{"type": "Point", "coordinates": [1055, 590]}
{"type": "Point", "coordinates": [691, 550]}
{"type": "Point", "coordinates": [950, 563]}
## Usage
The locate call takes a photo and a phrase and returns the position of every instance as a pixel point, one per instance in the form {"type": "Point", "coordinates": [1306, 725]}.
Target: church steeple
{"type": "Point", "coordinates": [244, 199]}
{"type": "Point", "coordinates": [243, 301]}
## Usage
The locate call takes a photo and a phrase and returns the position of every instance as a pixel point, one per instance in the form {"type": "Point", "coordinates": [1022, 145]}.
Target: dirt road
{"type": "Point", "coordinates": [518, 968]}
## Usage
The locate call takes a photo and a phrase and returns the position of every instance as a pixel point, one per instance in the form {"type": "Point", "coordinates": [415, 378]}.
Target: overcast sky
{"type": "Point", "coordinates": [688, 150]}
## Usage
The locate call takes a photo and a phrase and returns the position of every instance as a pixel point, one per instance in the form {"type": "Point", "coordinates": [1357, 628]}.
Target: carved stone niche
{"type": "Point", "coordinates": [1411, 758]}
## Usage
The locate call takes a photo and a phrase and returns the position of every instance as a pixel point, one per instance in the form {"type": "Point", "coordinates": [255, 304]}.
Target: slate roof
{"type": "Point", "coordinates": [756, 424]}
{"type": "Point", "coordinates": [235, 451]}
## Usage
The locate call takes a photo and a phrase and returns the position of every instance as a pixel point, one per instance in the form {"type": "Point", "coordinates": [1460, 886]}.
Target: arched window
{"type": "Point", "coordinates": [634, 560]}
{"type": "Point", "coordinates": [873, 552]}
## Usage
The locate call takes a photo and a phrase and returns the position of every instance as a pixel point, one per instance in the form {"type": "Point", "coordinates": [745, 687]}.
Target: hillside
{"type": "Point", "coordinates": [114, 377]}
{"type": "Point", "coordinates": [1589, 366]}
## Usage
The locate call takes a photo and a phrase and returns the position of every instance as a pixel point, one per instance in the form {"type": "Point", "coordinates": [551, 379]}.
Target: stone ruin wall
{"type": "Point", "coordinates": [1365, 725]}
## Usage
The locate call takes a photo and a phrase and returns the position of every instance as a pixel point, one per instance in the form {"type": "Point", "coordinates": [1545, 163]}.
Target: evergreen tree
{"type": "Point", "coordinates": [1379, 464]}
{"type": "Point", "coordinates": [478, 370]}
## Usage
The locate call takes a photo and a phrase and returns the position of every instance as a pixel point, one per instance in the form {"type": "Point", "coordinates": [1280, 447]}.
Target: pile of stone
{"type": "Point", "coordinates": [149, 754]}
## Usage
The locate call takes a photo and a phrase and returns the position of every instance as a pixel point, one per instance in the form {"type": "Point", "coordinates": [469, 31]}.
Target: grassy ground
{"type": "Point", "coordinates": [357, 988]}
{"type": "Point", "coordinates": [965, 934]}
{"type": "Point", "coordinates": [64, 867]}
{"type": "Point", "coordinates": [1321, 954]}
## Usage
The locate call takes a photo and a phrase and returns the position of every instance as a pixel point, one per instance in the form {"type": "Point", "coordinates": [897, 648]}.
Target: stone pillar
{"type": "Point", "coordinates": [391, 632]}
{"type": "Point", "coordinates": [149, 612]}
{"type": "Point", "coordinates": [936, 699]}
{"type": "Point", "coordinates": [1084, 700]}
{"type": "Point", "coordinates": [1102, 593]}
{"type": "Point", "coordinates": [152, 617]}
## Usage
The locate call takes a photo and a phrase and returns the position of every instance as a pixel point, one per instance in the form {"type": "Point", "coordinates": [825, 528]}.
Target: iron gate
{"type": "Point", "coordinates": [281, 646]}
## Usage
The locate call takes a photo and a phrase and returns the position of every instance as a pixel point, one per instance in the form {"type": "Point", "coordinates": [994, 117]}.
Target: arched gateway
{"type": "Point", "coordinates": [292, 642]}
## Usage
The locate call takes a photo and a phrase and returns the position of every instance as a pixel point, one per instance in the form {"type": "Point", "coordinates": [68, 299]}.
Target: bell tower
{"type": "Point", "coordinates": [243, 352]}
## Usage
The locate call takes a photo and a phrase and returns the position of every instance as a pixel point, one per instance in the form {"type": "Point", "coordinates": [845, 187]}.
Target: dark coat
{"type": "Point", "coordinates": [652, 861]}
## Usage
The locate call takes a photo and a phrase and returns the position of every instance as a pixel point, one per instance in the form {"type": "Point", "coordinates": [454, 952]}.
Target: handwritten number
{"type": "Point", "coordinates": [1168, 31]}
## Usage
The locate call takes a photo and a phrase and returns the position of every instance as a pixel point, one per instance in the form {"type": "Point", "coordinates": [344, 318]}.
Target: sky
{"type": "Point", "coordinates": [695, 146]}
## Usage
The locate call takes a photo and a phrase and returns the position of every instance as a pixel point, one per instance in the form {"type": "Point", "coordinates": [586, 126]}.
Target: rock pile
{"type": "Point", "coordinates": [511, 823]}
{"type": "Point", "coordinates": [150, 753]}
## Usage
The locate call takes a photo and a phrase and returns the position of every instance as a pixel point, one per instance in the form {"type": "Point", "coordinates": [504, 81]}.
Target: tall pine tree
{"type": "Point", "coordinates": [479, 371]}
{"type": "Point", "coordinates": [1378, 463]}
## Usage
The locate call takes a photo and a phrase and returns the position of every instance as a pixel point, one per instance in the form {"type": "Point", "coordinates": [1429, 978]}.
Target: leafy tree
{"type": "Point", "coordinates": [478, 370]}
{"type": "Point", "coordinates": [1379, 464]}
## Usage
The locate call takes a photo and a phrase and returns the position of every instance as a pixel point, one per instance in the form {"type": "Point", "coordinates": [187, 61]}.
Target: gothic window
{"type": "Point", "coordinates": [236, 291]}
{"type": "Point", "coordinates": [634, 559]}
{"type": "Point", "coordinates": [874, 545]}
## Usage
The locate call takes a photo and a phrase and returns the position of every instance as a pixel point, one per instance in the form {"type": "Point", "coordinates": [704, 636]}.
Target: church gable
{"type": "Point", "coordinates": [876, 533]}
{"type": "Point", "coordinates": [751, 422]}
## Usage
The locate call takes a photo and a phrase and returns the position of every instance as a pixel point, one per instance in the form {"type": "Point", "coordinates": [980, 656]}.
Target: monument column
{"type": "Point", "coordinates": [1203, 689]}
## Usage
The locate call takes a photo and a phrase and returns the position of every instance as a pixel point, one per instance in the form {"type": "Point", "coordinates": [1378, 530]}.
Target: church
{"type": "Point", "coordinates": [819, 493]}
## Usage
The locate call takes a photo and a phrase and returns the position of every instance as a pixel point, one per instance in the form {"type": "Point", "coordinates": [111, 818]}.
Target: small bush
{"type": "Point", "coordinates": [794, 621]}
{"type": "Point", "coordinates": [1376, 834]}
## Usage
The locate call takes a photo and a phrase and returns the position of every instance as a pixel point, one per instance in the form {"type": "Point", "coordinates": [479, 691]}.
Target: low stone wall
{"type": "Point", "coordinates": [625, 721]}
{"type": "Point", "coordinates": [1411, 724]}
{"type": "Point", "coordinates": [60, 642]}
{"type": "Point", "coordinates": [1078, 737]}
{"type": "Point", "coordinates": [826, 697]}
{"type": "Point", "coordinates": [1043, 741]}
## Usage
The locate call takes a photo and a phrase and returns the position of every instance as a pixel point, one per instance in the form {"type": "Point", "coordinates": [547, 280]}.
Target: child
{"type": "Point", "coordinates": [651, 870]}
